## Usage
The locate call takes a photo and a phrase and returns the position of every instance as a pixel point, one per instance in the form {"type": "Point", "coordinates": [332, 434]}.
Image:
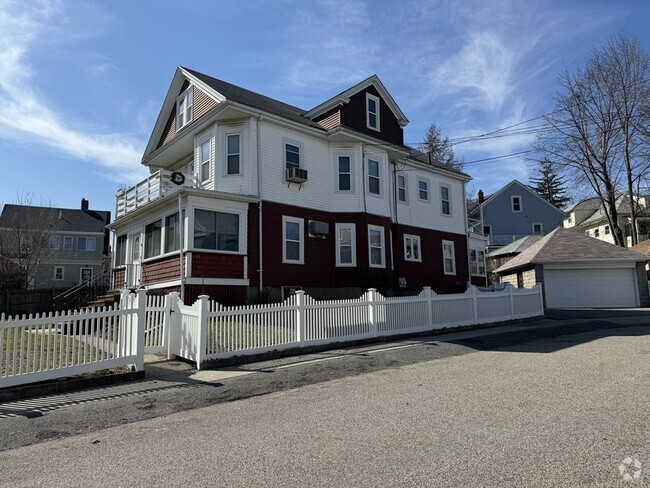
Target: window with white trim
{"type": "Point", "coordinates": [376, 254]}
{"type": "Point", "coordinates": [374, 178]}
{"type": "Point", "coordinates": [55, 242]}
{"type": "Point", "coordinates": [291, 155]}
{"type": "Point", "coordinates": [152, 239]}
{"type": "Point", "coordinates": [217, 231]}
{"type": "Point", "coordinates": [477, 262]}
{"type": "Point", "coordinates": [372, 111]}
{"type": "Point", "coordinates": [516, 203]}
{"type": "Point", "coordinates": [120, 250]}
{"type": "Point", "coordinates": [346, 249]}
{"type": "Point", "coordinates": [205, 155]}
{"type": "Point", "coordinates": [172, 237]}
{"type": "Point", "coordinates": [233, 153]}
{"type": "Point", "coordinates": [401, 188]}
{"type": "Point", "coordinates": [345, 173]}
{"type": "Point", "coordinates": [423, 190]}
{"type": "Point", "coordinates": [86, 243]}
{"type": "Point", "coordinates": [538, 229]}
{"type": "Point", "coordinates": [68, 243]}
{"type": "Point", "coordinates": [293, 235]}
{"type": "Point", "coordinates": [607, 230]}
{"type": "Point", "coordinates": [412, 248]}
{"type": "Point", "coordinates": [445, 200]}
{"type": "Point", "coordinates": [184, 108]}
{"type": "Point", "coordinates": [449, 257]}
{"type": "Point", "coordinates": [59, 273]}
{"type": "Point", "coordinates": [597, 232]}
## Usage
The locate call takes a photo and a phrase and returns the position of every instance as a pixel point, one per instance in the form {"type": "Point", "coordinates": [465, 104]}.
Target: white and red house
{"type": "Point", "coordinates": [272, 197]}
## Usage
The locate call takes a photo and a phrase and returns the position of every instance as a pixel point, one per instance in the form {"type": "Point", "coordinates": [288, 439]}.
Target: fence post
{"type": "Point", "coordinates": [137, 330]}
{"type": "Point", "coordinates": [512, 300]}
{"type": "Point", "coordinates": [202, 336]}
{"type": "Point", "coordinates": [428, 302]}
{"type": "Point", "coordinates": [300, 317]}
{"type": "Point", "coordinates": [539, 286]}
{"type": "Point", "coordinates": [471, 289]}
{"type": "Point", "coordinates": [372, 311]}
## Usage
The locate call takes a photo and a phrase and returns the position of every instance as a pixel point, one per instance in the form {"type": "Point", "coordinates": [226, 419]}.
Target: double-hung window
{"type": "Point", "coordinates": [346, 252]}
{"type": "Point", "coordinates": [218, 231]}
{"type": "Point", "coordinates": [120, 250]}
{"type": "Point", "coordinates": [293, 248]}
{"type": "Point", "coordinates": [233, 154]}
{"type": "Point", "coordinates": [291, 156]}
{"type": "Point", "coordinates": [445, 202]}
{"type": "Point", "coordinates": [516, 203]}
{"type": "Point", "coordinates": [152, 239]}
{"type": "Point", "coordinates": [374, 179]}
{"type": "Point", "coordinates": [477, 262]}
{"type": "Point", "coordinates": [55, 242]}
{"type": "Point", "coordinates": [184, 108]}
{"type": "Point", "coordinates": [86, 243]}
{"type": "Point", "coordinates": [412, 248]}
{"type": "Point", "coordinates": [205, 155]}
{"type": "Point", "coordinates": [345, 173]}
{"type": "Point", "coordinates": [423, 190]}
{"type": "Point", "coordinates": [67, 243]}
{"type": "Point", "coordinates": [401, 188]}
{"type": "Point", "coordinates": [372, 111]}
{"type": "Point", "coordinates": [449, 257]}
{"type": "Point", "coordinates": [376, 252]}
{"type": "Point", "coordinates": [58, 273]}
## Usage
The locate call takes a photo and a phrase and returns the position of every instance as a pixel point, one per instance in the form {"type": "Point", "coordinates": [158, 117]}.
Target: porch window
{"type": "Point", "coordinates": [172, 239]}
{"type": "Point", "coordinates": [120, 250]}
{"type": "Point", "coordinates": [217, 231]}
{"type": "Point", "coordinates": [152, 239]}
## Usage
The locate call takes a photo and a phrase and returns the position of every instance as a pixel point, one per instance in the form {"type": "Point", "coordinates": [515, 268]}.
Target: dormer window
{"type": "Point", "coordinates": [372, 112]}
{"type": "Point", "coordinates": [184, 106]}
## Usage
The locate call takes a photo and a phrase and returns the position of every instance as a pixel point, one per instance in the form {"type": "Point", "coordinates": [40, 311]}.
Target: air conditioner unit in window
{"type": "Point", "coordinates": [318, 229]}
{"type": "Point", "coordinates": [296, 175]}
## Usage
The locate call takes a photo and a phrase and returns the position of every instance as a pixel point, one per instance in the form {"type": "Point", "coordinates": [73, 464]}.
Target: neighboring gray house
{"type": "Point", "coordinates": [54, 247]}
{"type": "Point", "coordinates": [514, 212]}
{"type": "Point", "coordinates": [580, 271]}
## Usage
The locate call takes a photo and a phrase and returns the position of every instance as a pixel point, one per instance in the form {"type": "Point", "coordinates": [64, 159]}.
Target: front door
{"type": "Point", "coordinates": [86, 274]}
{"type": "Point", "coordinates": [134, 268]}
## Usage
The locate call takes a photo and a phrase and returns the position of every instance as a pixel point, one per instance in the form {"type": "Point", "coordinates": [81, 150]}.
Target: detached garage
{"type": "Point", "coordinates": [580, 271]}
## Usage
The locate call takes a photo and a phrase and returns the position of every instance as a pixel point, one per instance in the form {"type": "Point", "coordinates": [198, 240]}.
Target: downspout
{"type": "Point", "coordinates": [467, 250]}
{"type": "Point", "coordinates": [259, 208]}
{"type": "Point", "coordinates": [181, 260]}
{"type": "Point", "coordinates": [395, 226]}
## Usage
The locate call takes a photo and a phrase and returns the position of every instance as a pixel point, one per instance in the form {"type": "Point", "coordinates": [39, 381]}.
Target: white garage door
{"type": "Point", "coordinates": [601, 288]}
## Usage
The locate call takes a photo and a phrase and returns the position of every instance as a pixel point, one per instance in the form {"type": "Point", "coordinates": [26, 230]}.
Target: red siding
{"type": "Point", "coordinates": [353, 115]}
{"type": "Point", "coordinates": [201, 105]}
{"type": "Point", "coordinates": [215, 265]}
{"type": "Point", "coordinates": [224, 294]}
{"type": "Point", "coordinates": [160, 270]}
{"type": "Point", "coordinates": [119, 278]}
{"type": "Point", "coordinates": [320, 268]}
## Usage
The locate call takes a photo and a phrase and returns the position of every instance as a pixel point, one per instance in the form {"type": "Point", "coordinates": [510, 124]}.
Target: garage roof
{"type": "Point", "coordinates": [568, 246]}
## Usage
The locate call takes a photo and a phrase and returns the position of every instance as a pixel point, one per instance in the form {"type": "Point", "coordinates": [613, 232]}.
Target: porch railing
{"type": "Point", "coordinates": [156, 186]}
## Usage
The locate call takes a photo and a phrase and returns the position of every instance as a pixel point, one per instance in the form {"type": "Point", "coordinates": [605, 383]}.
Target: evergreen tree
{"type": "Point", "coordinates": [439, 148]}
{"type": "Point", "coordinates": [549, 184]}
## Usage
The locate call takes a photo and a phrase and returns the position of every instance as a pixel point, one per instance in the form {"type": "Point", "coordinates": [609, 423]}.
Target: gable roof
{"type": "Point", "coordinates": [568, 246]}
{"type": "Point", "coordinates": [642, 247]}
{"type": "Point", "coordinates": [61, 219]}
{"type": "Point", "coordinates": [524, 187]}
{"type": "Point", "coordinates": [344, 98]}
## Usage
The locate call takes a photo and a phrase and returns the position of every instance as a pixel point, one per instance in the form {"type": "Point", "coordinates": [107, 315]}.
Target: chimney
{"type": "Point", "coordinates": [481, 198]}
{"type": "Point", "coordinates": [84, 205]}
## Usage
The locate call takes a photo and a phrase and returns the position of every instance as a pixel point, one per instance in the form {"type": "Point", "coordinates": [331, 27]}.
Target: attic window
{"type": "Point", "coordinates": [372, 111]}
{"type": "Point", "coordinates": [184, 108]}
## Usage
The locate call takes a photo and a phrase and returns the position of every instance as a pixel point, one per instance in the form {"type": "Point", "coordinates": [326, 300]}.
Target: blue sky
{"type": "Point", "coordinates": [81, 82]}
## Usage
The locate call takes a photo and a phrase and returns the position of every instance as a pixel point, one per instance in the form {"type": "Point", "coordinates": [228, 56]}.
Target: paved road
{"type": "Point", "coordinates": [555, 404]}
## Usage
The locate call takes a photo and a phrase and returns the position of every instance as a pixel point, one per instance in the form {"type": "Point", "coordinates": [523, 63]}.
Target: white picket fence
{"type": "Point", "coordinates": [45, 347]}
{"type": "Point", "coordinates": [55, 345]}
{"type": "Point", "coordinates": [207, 330]}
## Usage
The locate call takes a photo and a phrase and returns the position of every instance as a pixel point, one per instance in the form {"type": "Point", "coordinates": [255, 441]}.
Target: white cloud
{"type": "Point", "coordinates": [26, 116]}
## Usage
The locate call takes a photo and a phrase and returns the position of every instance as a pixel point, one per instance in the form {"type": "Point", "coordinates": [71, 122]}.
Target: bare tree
{"type": "Point", "coordinates": [25, 233]}
{"type": "Point", "coordinates": [439, 148]}
{"type": "Point", "coordinates": [597, 129]}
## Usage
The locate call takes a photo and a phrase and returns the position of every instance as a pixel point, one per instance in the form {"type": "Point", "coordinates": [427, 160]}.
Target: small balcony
{"type": "Point", "coordinates": [156, 186]}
